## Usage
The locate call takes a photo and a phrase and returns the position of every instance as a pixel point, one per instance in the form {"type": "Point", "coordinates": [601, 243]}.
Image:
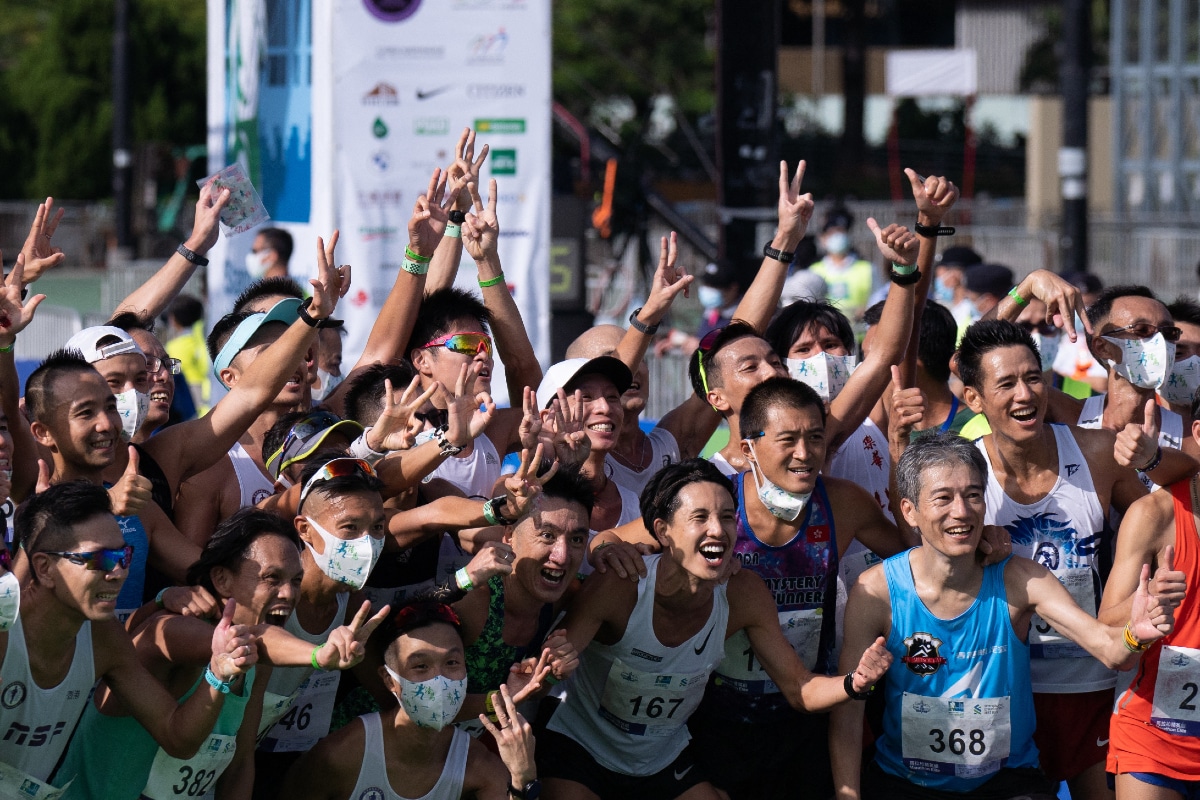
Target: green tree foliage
{"type": "Point", "coordinates": [56, 92]}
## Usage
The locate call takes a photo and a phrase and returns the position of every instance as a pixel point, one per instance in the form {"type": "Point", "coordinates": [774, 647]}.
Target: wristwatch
{"type": "Point", "coordinates": [531, 790]}
{"type": "Point", "coordinates": [639, 326]}
{"type": "Point", "coordinates": [496, 504]}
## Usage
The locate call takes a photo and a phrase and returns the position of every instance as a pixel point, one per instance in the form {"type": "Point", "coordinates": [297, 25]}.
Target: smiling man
{"type": "Point", "coordinates": [959, 711]}
{"type": "Point", "coordinates": [1051, 487]}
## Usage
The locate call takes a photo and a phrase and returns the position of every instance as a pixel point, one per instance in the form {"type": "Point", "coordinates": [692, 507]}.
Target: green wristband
{"type": "Point", "coordinates": [453, 231]}
{"type": "Point", "coordinates": [313, 658]}
{"type": "Point", "coordinates": [1016, 297]}
{"type": "Point", "coordinates": [492, 281]}
{"type": "Point", "coordinates": [901, 269]}
{"type": "Point", "coordinates": [420, 259]}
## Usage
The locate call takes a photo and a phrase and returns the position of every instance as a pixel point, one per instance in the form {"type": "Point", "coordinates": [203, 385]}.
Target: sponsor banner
{"type": "Point", "coordinates": [353, 138]}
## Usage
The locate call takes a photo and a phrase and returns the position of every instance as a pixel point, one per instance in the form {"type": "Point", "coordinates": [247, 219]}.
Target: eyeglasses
{"type": "Point", "coordinates": [172, 365]}
{"type": "Point", "coordinates": [706, 344]}
{"type": "Point", "coordinates": [413, 616]}
{"type": "Point", "coordinates": [99, 560]}
{"type": "Point", "coordinates": [1144, 330]}
{"type": "Point", "coordinates": [303, 430]}
{"type": "Point", "coordinates": [337, 468]}
{"type": "Point", "coordinates": [469, 343]}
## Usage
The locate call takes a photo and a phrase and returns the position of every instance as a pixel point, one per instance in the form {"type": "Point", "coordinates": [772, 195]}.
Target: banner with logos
{"type": "Point", "coordinates": [341, 109]}
{"type": "Point", "coordinates": [408, 76]}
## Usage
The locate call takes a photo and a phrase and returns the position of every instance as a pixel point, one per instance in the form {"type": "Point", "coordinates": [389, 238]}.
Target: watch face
{"type": "Point", "coordinates": [533, 790]}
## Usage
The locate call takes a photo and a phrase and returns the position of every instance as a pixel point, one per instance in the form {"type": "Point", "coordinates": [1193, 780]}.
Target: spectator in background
{"type": "Point", "coordinates": [1179, 390]}
{"type": "Point", "coordinates": [185, 341]}
{"type": "Point", "coordinates": [719, 293]}
{"type": "Point", "coordinates": [269, 256]}
{"type": "Point", "coordinates": [847, 276]}
{"type": "Point", "coordinates": [983, 286]}
{"type": "Point", "coordinates": [803, 283]}
{"type": "Point", "coordinates": [949, 281]}
{"type": "Point", "coordinates": [329, 362]}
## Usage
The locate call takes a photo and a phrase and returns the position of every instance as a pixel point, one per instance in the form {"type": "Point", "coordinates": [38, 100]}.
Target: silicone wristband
{"type": "Point", "coordinates": [1016, 297]}
{"type": "Point", "coordinates": [224, 687]}
{"type": "Point", "coordinates": [312, 658]}
{"type": "Point", "coordinates": [463, 580]}
{"type": "Point", "coordinates": [492, 281]}
{"type": "Point", "coordinates": [420, 259]}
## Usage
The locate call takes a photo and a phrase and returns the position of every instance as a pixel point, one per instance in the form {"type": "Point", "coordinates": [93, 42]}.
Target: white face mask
{"type": "Point", "coordinates": [1047, 348]}
{"type": "Point", "coordinates": [433, 703]}
{"type": "Point", "coordinates": [826, 374]}
{"type": "Point", "coordinates": [256, 263]}
{"type": "Point", "coordinates": [1181, 385]}
{"type": "Point", "coordinates": [328, 384]}
{"type": "Point", "coordinates": [347, 561]}
{"type": "Point", "coordinates": [133, 406]}
{"type": "Point", "coordinates": [837, 243]}
{"type": "Point", "coordinates": [710, 297]}
{"type": "Point", "coordinates": [1144, 362]}
{"type": "Point", "coordinates": [779, 501]}
{"type": "Point", "coordinates": [10, 600]}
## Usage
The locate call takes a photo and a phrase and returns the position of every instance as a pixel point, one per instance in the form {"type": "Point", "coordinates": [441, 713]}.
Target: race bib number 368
{"type": "Point", "coordinates": [965, 737]}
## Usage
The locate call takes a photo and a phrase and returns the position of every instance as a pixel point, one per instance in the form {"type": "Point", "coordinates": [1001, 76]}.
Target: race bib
{"type": "Point", "coordinates": [1176, 706]}
{"type": "Point", "coordinates": [173, 778]}
{"type": "Point", "coordinates": [741, 671]}
{"type": "Point", "coordinates": [966, 737]}
{"type": "Point", "coordinates": [648, 704]}
{"type": "Point", "coordinates": [307, 721]}
{"type": "Point", "coordinates": [16, 785]}
{"type": "Point", "coordinates": [1044, 641]}
{"type": "Point", "coordinates": [274, 707]}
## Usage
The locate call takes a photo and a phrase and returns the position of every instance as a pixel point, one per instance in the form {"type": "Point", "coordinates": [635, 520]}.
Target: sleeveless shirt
{"type": "Point", "coordinates": [373, 781]}
{"type": "Point", "coordinates": [1063, 531]}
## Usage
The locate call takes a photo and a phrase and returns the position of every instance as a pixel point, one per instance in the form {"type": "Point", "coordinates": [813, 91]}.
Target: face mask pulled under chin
{"type": "Point", "coordinates": [826, 374]}
{"type": "Point", "coordinates": [1047, 348]}
{"type": "Point", "coordinates": [133, 406]}
{"type": "Point", "coordinates": [433, 703]}
{"type": "Point", "coordinates": [1181, 384]}
{"type": "Point", "coordinates": [779, 501]}
{"type": "Point", "coordinates": [1144, 362]}
{"type": "Point", "coordinates": [328, 384]}
{"type": "Point", "coordinates": [347, 561]}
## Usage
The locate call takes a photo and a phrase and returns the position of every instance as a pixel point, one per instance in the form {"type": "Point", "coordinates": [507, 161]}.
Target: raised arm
{"type": "Point", "coordinates": [465, 169]}
{"type": "Point", "coordinates": [1147, 536]}
{"type": "Point", "coordinates": [152, 298]}
{"type": "Point", "coordinates": [761, 300]}
{"type": "Point", "coordinates": [481, 237]}
{"type": "Point", "coordinates": [38, 253]}
{"type": "Point", "coordinates": [194, 446]}
{"type": "Point", "coordinates": [15, 316]}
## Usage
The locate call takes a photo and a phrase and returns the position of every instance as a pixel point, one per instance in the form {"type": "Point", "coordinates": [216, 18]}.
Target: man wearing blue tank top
{"type": "Point", "coordinates": [959, 716]}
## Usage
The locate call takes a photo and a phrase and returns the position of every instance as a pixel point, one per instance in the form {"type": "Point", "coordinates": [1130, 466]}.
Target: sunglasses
{"type": "Point", "coordinates": [98, 560]}
{"type": "Point", "coordinates": [706, 344]}
{"type": "Point", "coordinates": [470, 343]}
{"type": "Point", "coordinates": [414, 616]}
{"type": "Point", "coordinates": [171, 365]}
{"type": "Point", "coordinates": [337, 468]}
{"type": "Point", "coordinates": [1045, 329]}
{"type": "Point", "coordinates": [303, 430]}
{"type": "Point", "coordinates": [1144, 330]}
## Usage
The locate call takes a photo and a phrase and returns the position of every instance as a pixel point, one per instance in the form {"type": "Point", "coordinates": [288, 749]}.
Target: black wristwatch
{"type": "Point", "coordinates": [313, 322]}
{"type": "Point", "coordinates": [456, 217]}
{"type": "Point", "coordinates": [190, 255]}
{"type": "Point", "coordinates": [497, 505]}
{"type": "Point", "coordinates": [848, 685]}
{"type": "Point", "coordinates": [531, 790]}
{"type": "Point", "coordinates": [933, 231]}
{"type": "Point", "coordinates": [782, 256]}
{"type": "Point", "coordinates": [639, 326]}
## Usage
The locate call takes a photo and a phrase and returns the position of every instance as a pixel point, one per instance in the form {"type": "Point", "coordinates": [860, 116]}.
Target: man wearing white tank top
{"type": "Point", "coordinates": [74, 560]}
{"type": "Point", "coordinates": [1051, 487]}
{"type": "Point", "coordinates": [412, 751]}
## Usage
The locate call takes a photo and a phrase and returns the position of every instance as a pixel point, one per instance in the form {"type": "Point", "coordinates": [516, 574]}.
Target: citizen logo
{"type": "Point", "coordinates": [486, 91]}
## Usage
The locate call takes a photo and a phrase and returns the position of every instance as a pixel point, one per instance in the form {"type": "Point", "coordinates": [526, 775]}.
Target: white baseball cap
{"type": "Point", "coordinates": [87, 341]}
{"type": "Point", "coordinates": [563, 376]}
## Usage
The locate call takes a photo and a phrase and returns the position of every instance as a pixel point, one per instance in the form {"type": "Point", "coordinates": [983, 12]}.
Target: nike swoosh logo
{"type": "Point", "coordinates": [1101, 742]}
{"type": "Point", "coordinates": [700, 650]}
{"type": "Point", "coordinates": [679, 775]}
{"type": "Point", "coordinates": [425, 95]}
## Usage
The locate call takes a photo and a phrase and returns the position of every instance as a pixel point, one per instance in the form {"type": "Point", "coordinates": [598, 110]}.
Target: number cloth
{"type": "Point", "coordinates": [958, 704]}
{"type": "Point", "coordinates": [1157, 725]}
{"type": "Point", "coordinates": [629, 702]}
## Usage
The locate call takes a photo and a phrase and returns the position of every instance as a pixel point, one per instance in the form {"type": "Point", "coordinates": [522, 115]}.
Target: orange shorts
{"type": "Point", "coordinates": [1072, 731]}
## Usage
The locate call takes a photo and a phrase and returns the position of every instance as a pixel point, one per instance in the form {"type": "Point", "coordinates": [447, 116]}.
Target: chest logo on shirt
{"type": "Point", "coordinates": [1072, 469]}
{"type": "Point", "coordinates": [13, 695]}
{"type": "Point", "coordinates": [1053, 542]}
{"type": "Point", "coordinates": [374, 793]}
{"type": "Point", "coordinates": [923, 657]}
{"type": "Point", "coordinates": [818, 533]}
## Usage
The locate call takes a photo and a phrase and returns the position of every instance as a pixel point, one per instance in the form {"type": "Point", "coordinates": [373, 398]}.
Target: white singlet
{"type": "Point", "coordinates": [307, 692]}
{"type": "Point", "coordinates": [474, 474]}
{"type": "Point", "coordinates": [373, 781]}
{"type": "Point", "coordinates": [252, 483]}
{"type": "Point", "coordinates": [629, 702]}
{"type": "Point", "coordinates": [37, 723]}
{"type": "Point", "coordinates": [630, 510]}
{"type": "Point", "coordinates": [1062, 532]}
{"type": "Point", "coordinates": [664, 450]}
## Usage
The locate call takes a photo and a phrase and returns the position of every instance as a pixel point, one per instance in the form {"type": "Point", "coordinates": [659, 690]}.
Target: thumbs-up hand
{"type": "Point", "coordinates": [130, 494]}
{"type": "Point", "coordinates": [1169, 584]}
{"type": "Point", "coordinates": [234, 647]}
{"type": "Point", "coordinates": [1137, 445]}
{"type": "Point", "coordinates": [895, 242]}
{"type": "Point", "coordinates": [934, 195]}
{"type": "Point", "coordinates": [43, 481]}
{"type": "Point", "coordinates": [1149, 618]}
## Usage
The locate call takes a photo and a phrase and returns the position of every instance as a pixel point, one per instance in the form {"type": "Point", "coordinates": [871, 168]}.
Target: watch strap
{"type": "Point", "coordinates": [782, 256]}
{"type": "Point", "coordinates": [639, 326]}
